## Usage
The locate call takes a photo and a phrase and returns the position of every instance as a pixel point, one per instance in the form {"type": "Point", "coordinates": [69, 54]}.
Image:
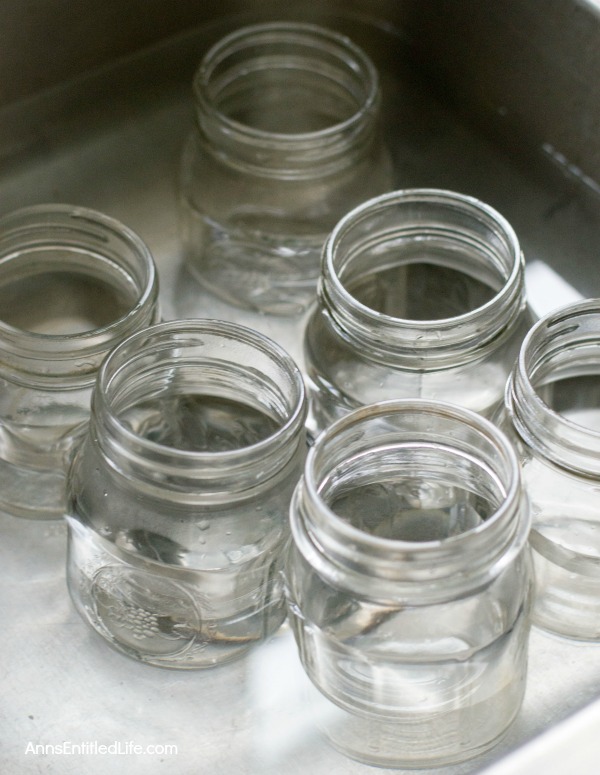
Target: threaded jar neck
{"type": "Point", "coordinates": [191, 410]}
{"type": "Point", "coordinates": [431, 227]}
{"type": "Point", "coordinates": [563, 345]}
{"type": "Point", "coordinates": [287, 100]}
{"type": "Point", "coordinates": [415, 501]}
{"type": "Point", "coordinates": [46, 250]}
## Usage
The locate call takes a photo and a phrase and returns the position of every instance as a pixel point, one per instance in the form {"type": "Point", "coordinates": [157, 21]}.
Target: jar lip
{"type": "Point", "coordinates": [80, 216]}
{"type": "Point", "coordinates": [294, 30]}
{"type": "Point", "coordinates": [377, 544]}
{"type": "Point", "coordinates": [331, 276]}
{"type": "Point", "coordinates": [536, 420]}
{"type": "Point", "coordinates": [191, 327]}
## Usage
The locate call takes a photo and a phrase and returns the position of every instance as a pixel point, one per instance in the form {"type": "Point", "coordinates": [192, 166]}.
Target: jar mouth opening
{"type": "Point", "coordinates": [413, 227]}
{"type": "Point", "coordinates": [560, 351]}
{"type": "Point", "coordinates": [56, 250]}
{"type": "Point", "coordinates": [308, 58]}
{"type": "Point", "coordinates": [192, 363]}
{"type": "Point", "coordinates": [498, 489]}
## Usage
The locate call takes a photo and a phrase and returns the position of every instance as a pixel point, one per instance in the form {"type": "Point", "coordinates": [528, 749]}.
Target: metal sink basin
{"type": "Point", "coordinates": [497, 100]}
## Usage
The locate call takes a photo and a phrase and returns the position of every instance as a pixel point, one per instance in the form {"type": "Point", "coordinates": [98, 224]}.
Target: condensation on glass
{"type": "Point", "coordinates": [421, 296]}
{"type": "Point", "coordinates": [409, 583]}
{"type": "Point", "coordinates": [287, 140]}
{"type": "Point", "coordinates": [553, 409]}
{"type": "Point", "coordinates": [178, 498]}
{"type": "Point", "coordinates": [73, 283]}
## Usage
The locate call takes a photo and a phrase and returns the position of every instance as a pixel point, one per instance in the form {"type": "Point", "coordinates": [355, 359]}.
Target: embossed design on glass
{"type": "Point", "coordinates": [553, 408]}
{"type": "Point", "coordinates": [137, 607]}
{"type": "Point", "coordinates": [73, 283]}
{"type": "Point", "coordinates": [286, 142]}
{"type": "Point", "coordinates": [409, 583]}
{"type": "Point", "coordinates": [179, 494]}
{"type": "Point", "coordinates": [421, 296]}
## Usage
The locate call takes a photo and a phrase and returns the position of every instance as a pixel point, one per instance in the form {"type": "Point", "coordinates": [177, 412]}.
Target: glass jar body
{"type": "Point", "coordinates": [175, 546]}
{"type": "Point", "coordinates": [75, 283]}
{"type": "Point", "coordinates": [414, 637]}
{"type": "Point", "coordinates": [342, 376]}
{"type": "Point", "coordinates": [552, 413]}
{"type": "Point", "coordinates": [126, 579]}
{"type": "Point", "coordinates": [447, 695]}
{"type": "Point", "coordinates": [565, 548]}
{"type": "Point", "coordinates": [421, 296]}
{"type": "Point", "coordinates": [279, 154]}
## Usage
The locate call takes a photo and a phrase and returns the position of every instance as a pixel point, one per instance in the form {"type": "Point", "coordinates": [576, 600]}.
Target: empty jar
{"type": "Point", "coordinates": [179, 495]}
{"type": "Point", "coordinates": [286, 141]}
{"type": "Point", "coordinates": [408, 583]}
{"type": "Point", "coordinates": [553, 405]}
{"type": "Point", "coordinates": [73, 283]}
{"type": "Point", "coordinates": [421, 296]}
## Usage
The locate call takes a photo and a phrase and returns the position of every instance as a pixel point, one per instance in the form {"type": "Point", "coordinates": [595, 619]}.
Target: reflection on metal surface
{"type": "Point", "coordinates": [570, 169]}
{"type": "Point", "coordinates": [546, 289]}
{"type": "Point", "coordinates": [285, 719]}
{"type": "Point", "coordinates": [572, 746]}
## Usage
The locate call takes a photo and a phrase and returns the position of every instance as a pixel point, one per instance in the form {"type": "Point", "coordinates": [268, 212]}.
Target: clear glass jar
{"type": "Point", "coordinates": [179, 495]}
{"type": "Point", "coordinates": [73, 283]}
{"type": "Point", "coordinates": [553, 407]}
{"type": "Point", "coordinates": [409, 583]}
{"type": "Point", "coordinates": [286, 141]}
{"type": "Point", "coordinates": [421, 296]}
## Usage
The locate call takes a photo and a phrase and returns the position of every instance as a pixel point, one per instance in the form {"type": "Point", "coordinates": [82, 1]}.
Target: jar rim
{"type": "Point", "coordinates": [445, 341]}
{"type": "Point", "coordinates": [417, 572]}
{"type": "Point", "coordinates": [294, 32]}
{"type": "Point", "coordinates": [40, 217]}
{"type": "Point", "coordinates": [194, 327]}
{"type": "Point", "coordinates": [566, 443]}
{"type": "Point", "coordinates": [422, 195]}
{"type": "Point", "coordinates": [70, 361]}
{"type": "Point", "coordinates": [424, 406]}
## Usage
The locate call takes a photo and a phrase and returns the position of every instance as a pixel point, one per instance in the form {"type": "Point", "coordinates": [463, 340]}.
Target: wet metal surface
{"type": "Point", "coordinates": [60, 683]}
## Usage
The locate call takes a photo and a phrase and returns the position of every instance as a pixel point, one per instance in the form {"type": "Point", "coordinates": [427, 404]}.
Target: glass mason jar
{"type": "Point", "coordinates": [179, 495]}
{"type": "Point", "coordinates": [408, 583]}
{"type": "Point", "coordinates": [553, 407]}
{"type": "Point", "coordinates": [73, 283]}
{"type": "Point", "coordinates": [421, 296]}
{"type": "Point", "coordinates": [286, 141]}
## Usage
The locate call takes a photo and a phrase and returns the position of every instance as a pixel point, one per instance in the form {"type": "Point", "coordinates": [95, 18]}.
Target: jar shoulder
{"type": "Point", "coordinates": [475, 618]}
{"type": "Point", "coordinates": [334, 363]}
{"type": "Point", "coordinates": [216, 184]}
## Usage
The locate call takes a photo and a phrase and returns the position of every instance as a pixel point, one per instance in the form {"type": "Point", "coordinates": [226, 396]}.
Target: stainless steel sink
{"type": "Point", "coordinates": [497, 100]}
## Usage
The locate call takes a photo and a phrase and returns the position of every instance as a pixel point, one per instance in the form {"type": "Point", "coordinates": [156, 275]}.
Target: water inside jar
{"type": "Point", "coordinates": [576, 398]}
{"type": "Point", "coordinates": [199, 422]}
{"type": "Point", "coordinates": [411, 494]}
{"type": "Point", "coordinates": [421, 291]}
{"type": "Point", "coordinates": [61, 303]}
{"type": "Point", "coordinates": [386, 510]}
{"type": "Point", "coordinates": [285, 98]}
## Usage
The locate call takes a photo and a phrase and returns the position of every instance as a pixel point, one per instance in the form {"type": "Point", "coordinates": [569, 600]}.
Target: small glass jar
{"type": "Point", "coordinates": [73, 283]}
{"type": "Point", "coordinates": [408, 583]}
{"type": "Point", "coordinates": [286, 141]}
{"type": "Point", "coordinates": [421, 296]}
{"type": "Point", "coordinates": [553, 407]}
{"type": "Point", "coordinates": [179, 495]}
